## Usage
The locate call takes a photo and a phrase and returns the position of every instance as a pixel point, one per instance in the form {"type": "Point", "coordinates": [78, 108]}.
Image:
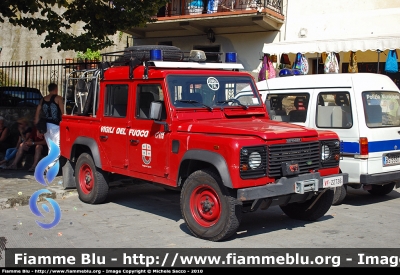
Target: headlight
{"type": "Point", "coordinates": [325, 152]}
{"type": "Point", "coordinates": [330, 153]}
{"type": "Point", "coordinates": [254, 160]}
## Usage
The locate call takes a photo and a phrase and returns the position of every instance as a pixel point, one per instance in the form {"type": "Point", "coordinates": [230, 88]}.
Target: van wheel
{"type": "Point", "coordinates": [340, 194]}
{"type": "Point", "coordinates": [208, 209]}
{"type": "Point", "coordinates": [300, 211]}
{"type": "Point", "coordinates": [91, 182]}
{"type": "Point", "coordinates": [381, 190]}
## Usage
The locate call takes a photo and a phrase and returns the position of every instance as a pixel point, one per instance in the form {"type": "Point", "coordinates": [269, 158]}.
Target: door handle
{"type": "Point", "coordinates": [134, 141]}
{"type": "Point", "coordinates": [104, 137]}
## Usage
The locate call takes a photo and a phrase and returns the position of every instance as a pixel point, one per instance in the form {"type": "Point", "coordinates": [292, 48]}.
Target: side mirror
{"type": "Point", "coordinates": [155, 110]}
{"type": "Point", "coordinates": [155, 114]}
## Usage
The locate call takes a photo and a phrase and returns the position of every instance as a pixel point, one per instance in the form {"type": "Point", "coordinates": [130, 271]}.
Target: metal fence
{"type": "Point", "coordinates": [38, 74]}
{"type": "Point", "coordinates": [182, 7]}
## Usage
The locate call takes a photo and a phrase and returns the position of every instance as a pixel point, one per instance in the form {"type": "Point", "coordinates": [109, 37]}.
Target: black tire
{"type": "Point", "coordinates": [381, 190]}
{"type": "Point", "coordinates": [91, 182]}
{"type": "Point", "coordinates": [340, 194]}
{"type": "Point", "coordinates": [299, 211]}
{"type": "Point", "coordinates": [169, 53]}
{"type": "Point", "coordinates": [220, 213]}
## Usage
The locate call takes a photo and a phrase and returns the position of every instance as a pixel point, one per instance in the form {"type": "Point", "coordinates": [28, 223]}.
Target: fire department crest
{"type": "Point", "coordinates": [146, 153]}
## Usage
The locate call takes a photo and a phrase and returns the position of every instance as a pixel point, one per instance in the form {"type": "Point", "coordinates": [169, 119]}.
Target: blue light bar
{"type": "Point", "coordinates": [156, 55]}
{"type": "Point", "coordinates": [230, 57]}
{"type": "Point", "coordinates": [296, 72]}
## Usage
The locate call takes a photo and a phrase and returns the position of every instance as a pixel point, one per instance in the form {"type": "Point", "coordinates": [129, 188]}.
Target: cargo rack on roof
{"type": "Point", "coordinates": [144, 53]}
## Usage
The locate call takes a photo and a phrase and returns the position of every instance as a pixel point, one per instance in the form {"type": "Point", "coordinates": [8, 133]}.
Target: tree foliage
{"type": "Point", "coordinates": [99, 19]}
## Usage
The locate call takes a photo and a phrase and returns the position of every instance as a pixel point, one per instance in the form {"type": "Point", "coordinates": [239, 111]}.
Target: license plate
{"type": "Point", "coordinates": [391, 159]}
{"type": "Point", "coordinates": [333, 182]}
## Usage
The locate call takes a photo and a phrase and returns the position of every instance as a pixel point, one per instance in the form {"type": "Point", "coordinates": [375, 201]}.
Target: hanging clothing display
{"type": "Point", "coordinates": [297, 62]}
{"type": "Point", "coordinates": [391, 65]}
{"type": "Point", "coordinates": [331, 64]}
{"type": "Point", "coordinates": [353, 67]}
{"type": "Point", "coordinates": [267, 70]}
{"type": "Point", "coordinates": [304, 64]}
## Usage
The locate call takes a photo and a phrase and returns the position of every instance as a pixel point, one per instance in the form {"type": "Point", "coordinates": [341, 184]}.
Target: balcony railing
{"type": "Point", "coordinates": [193, 7]}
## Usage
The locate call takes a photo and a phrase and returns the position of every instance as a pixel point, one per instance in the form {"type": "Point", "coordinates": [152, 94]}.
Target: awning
{"type": "Point", "coordinates": [372, 43]}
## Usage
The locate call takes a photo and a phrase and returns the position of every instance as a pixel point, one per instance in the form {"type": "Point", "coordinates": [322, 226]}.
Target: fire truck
{"type": "Point", "coordinates": [160, 115]}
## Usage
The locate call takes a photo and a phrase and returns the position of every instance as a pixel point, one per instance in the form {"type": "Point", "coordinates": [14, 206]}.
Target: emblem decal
{"type": "Point", "coordinates": [291, 140]}
{"type": "Point", "coordinates": [213, 83]}
{"type": "Point", "coordinates": [146, 153]}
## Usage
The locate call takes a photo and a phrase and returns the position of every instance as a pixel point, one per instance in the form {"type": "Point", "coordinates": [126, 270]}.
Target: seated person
{"type": "Point", "coordinates": [5, 136]}
{"type": "Point", "coordinates": [24, 134]}
{"type": "Point", "coordinates": [34, 145]}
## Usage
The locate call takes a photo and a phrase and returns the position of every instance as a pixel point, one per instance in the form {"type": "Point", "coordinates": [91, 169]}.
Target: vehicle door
{"type": "Point", "coordinates": [148, 140]}
{"type": "Point", "coordinates": [382, 128]}
{"type": "Point", "coordinates": [114, 125]}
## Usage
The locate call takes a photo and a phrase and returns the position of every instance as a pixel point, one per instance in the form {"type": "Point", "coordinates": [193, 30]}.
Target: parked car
{"type": "Point", "coordinates": [363, 109]}
{"type": "Point", "coordinates": [11, 96]}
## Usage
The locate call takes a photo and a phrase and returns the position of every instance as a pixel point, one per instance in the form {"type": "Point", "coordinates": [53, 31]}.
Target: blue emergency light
{"type": "Point", "coordinates": [156, 55]}
{"type": "Point", "coordinates": [230, 57]}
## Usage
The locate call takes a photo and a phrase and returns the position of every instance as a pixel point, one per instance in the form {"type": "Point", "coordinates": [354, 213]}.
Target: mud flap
{"type": "Point", "coordinates": [68, 172]}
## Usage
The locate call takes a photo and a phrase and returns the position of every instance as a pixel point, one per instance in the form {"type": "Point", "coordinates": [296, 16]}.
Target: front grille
{"type": "Point", "coordinates": [306, 154]}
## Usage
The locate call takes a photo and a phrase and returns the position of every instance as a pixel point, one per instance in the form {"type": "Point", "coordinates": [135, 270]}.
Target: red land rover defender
{"type": "Point", "coordinates": [155, 114]}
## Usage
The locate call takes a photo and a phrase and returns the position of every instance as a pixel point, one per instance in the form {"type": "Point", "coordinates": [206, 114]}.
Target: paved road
{"type": "Point", "coordinates": [146, 216]}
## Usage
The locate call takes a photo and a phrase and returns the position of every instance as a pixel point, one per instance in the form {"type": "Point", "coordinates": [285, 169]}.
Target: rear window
{"type": "Point", "coordinates": [19, 97]}
{"type": "Point", "coordinates": [381, 109]}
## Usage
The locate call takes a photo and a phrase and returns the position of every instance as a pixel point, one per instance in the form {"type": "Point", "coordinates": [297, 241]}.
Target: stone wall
{"type": "Point", "coordinates": [22, 44]}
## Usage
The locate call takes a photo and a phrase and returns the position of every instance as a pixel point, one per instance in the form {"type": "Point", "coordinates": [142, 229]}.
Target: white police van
{"type": "Point", "coordinates": [362, 108]}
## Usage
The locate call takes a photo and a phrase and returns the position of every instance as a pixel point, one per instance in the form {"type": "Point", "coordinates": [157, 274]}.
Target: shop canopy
{"type": "Point", "coordinates": [372, 43]}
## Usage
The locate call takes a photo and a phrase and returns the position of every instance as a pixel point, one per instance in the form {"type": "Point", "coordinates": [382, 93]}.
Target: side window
{"type": "Point", "coordinates": [147, 94]}
{"type": "Point", "coordinates": [116, 101]}
{"type": "Point", "coordinates": [334, 110]}
{"type": "Point", "coordinates": [289, 107]}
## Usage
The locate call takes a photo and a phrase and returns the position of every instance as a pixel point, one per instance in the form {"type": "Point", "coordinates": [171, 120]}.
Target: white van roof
{"type": "Point", "coordinates": [363, 82]}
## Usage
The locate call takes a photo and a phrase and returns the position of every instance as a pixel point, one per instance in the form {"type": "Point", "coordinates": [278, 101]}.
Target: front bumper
{"type": "Point", "coordinates": [380, 178]}
{"type": "Point", "coordinates": [300, 184]}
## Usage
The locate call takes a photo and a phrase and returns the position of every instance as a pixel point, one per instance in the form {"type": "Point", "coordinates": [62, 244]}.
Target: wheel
{"type": "Point", "coordinates": [340, 194]}
{"type": "Point", "coordinates": [91, 182]}
{"type": "Point", "coordinates": [208, 209]}
{"type": "Point", "coordinates": [169, 53]}
{"type": "Point", "coordinates": [381, 190]}
{"type": "Point", "coordinates": [300, 211]}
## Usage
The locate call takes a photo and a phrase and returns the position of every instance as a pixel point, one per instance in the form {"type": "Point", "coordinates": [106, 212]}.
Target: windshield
{"type": "Point", "coordinates": [205, 91]}
{"type": "Point", "coordinates": [381, 108]}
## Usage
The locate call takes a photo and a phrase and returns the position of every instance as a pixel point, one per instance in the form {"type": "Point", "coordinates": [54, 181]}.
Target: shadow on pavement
{"type": "Point", "coordinates": [360, 197]}
{"type": "Point", "coordinates": [155, 200]}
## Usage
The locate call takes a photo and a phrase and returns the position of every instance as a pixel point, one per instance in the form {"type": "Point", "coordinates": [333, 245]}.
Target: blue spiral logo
{"type": "Point", "coordinates": [35, 210]}
{"type": "Point", "coordinates": [45, 172]}
{"type": "Point", "coordinates": [47, 168]}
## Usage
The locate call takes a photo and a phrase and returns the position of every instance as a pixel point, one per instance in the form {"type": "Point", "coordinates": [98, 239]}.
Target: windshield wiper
{"type": "Point", "coordinates": [194, 102]}
{"type": "Point", "coordinates": [233, 100]}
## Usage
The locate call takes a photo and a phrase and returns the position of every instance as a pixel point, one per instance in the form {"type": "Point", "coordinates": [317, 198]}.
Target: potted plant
{"type": "Point", "coordinates": [89, 56]}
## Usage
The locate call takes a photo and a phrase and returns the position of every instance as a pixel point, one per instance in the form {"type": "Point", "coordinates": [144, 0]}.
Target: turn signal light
{"type": "Point", "coordinates": [364, 147]}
